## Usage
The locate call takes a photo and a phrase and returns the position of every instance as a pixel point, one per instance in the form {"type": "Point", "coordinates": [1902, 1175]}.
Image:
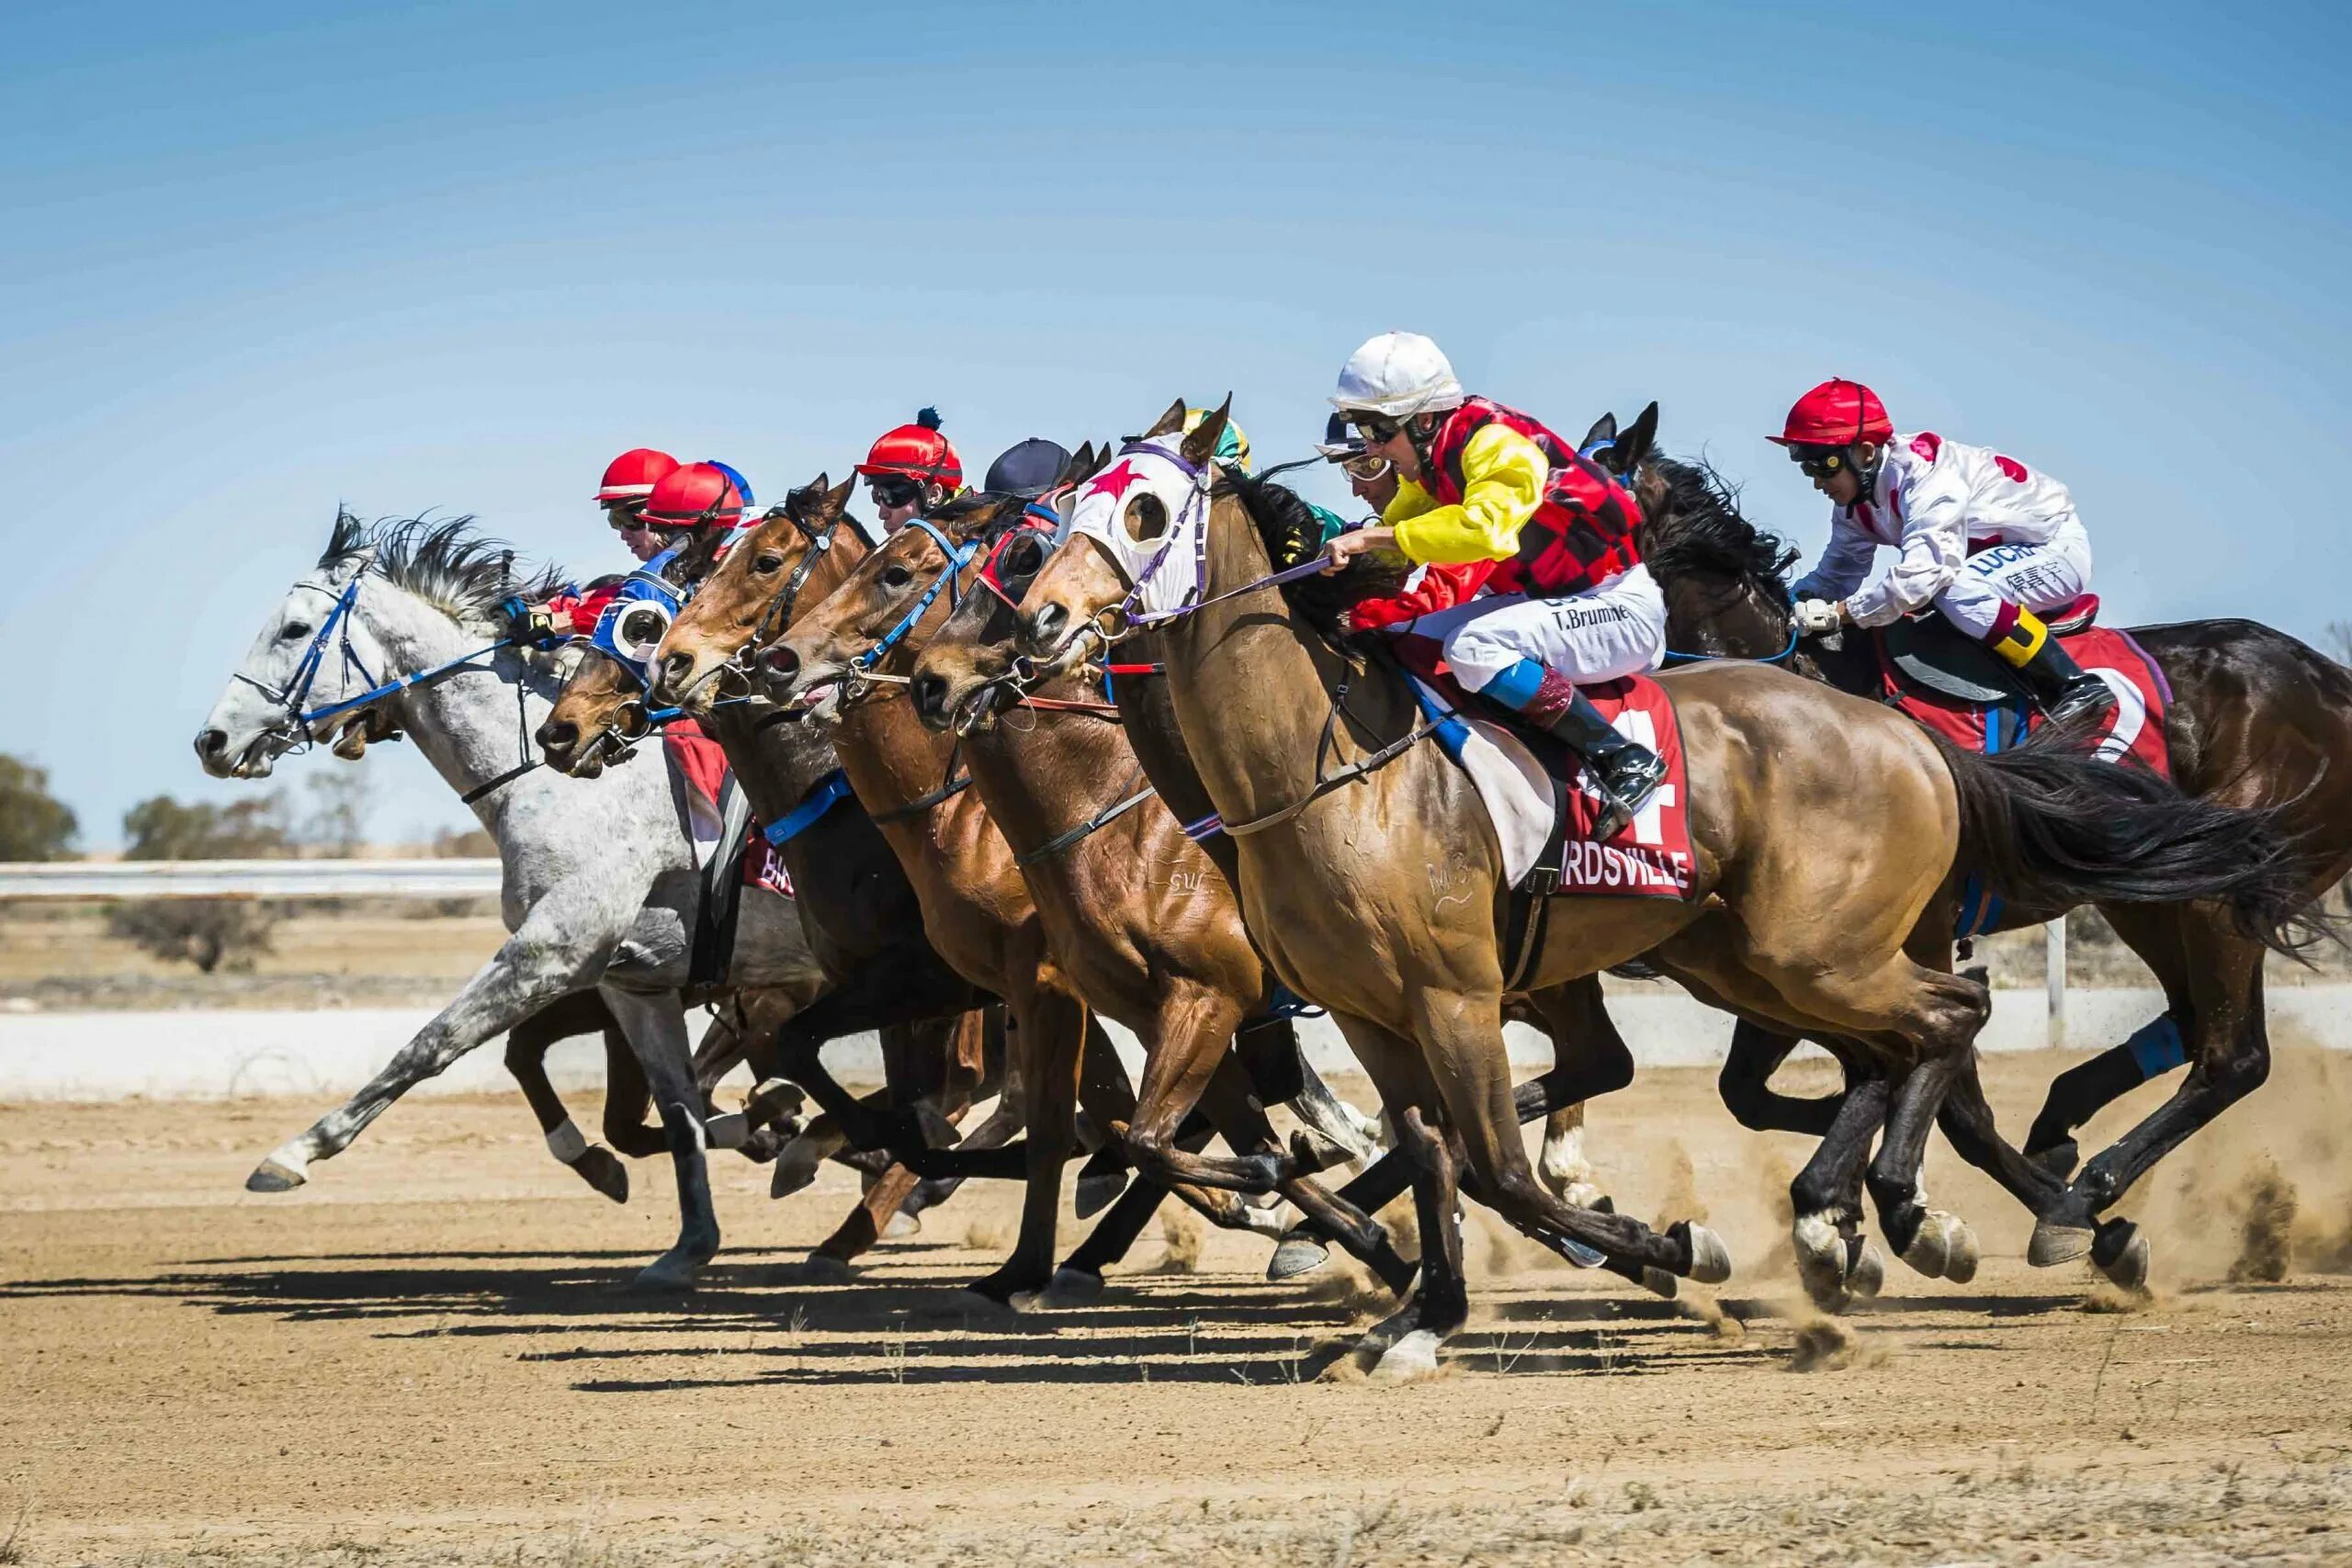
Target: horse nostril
{"type": "Point", "coordinates": [781, 661]}
{"type": "Point", "coordinates": [210, 743]}
{"type": "Point", "coordinates": [559, 734]}
{"type": "Point", "coordinates": [1045, 626]}
{"type": "Point", "coordinates": [675, 668]}
{"type": "Point", "coordinates": [930, 693]}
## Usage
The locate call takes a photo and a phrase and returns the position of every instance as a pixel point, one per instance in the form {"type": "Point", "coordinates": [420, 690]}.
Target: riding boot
{"type": "Point", "coordinates": [1624, 773]}
{"type": "Point", "coordinates": [2064, 688]}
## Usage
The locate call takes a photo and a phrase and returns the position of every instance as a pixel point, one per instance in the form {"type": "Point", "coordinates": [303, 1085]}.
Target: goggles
{"type": "Point", "coordinates": [626, 516]}
{"type": "Point", "coordinates": [1375, 429]}
{"type": "Point", "coordinates": [1819, 462]}
{"type": "Point", "coordinates": [1366, 467]}
{"type": "Point", "coordinates": [894, 489]}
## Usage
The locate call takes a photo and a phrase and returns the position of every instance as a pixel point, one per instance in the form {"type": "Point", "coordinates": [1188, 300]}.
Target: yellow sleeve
{"type": "Point", "coordinates": [1410, 501]}
{"type": "Point", "coordinates": [1502, 484]}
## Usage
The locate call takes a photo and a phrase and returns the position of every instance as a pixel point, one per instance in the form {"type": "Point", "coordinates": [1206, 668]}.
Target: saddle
{"type": "Point", "coordinates": [1930, 652]}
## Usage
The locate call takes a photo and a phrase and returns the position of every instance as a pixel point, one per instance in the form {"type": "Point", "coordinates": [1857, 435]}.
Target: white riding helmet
{"type": "Point", "coordinates": [1396, 375]}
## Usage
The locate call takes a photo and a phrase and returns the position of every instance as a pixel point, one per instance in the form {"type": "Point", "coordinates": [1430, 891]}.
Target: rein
{"type": "Point", "coordinates": [1326, 783]}
{"type": "Point", "coordinates": [1100, 819]}
{"type": "Point", "coordinates": [958, 557]}
{"type": "Point", "coordinates": [1676, 656]}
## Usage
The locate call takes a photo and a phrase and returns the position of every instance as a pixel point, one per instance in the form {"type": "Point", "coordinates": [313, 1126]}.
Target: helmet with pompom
{"type": "Point", "coordinates": [917, 452]}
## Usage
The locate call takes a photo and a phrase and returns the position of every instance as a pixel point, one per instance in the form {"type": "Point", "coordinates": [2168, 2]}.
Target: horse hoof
{"type": "Point", "coordinates": [1071, 1287]}
{"type": "Point", "coordinates": [727, 1130]}
{"type": "Point", "coordinates": [2053, 1244]}
{"type": "Point", "coordinates": [2127, 1254]}
{"type": "Point", "coordinates": [1577, 1252]}
{"type": "Point", "coordinates": [1388, 1330]}
{"type": "Point", "coordinates": [795, 1168]}
{"type": "Point", "coordinates": [1295, 1257]}
{"type": "Point", "coordinates": [601, 1170]}
{"type": "Point", "coordinates": [272, 1176]}
{"type": "Point", "coordinates": [1096, 1193]}
{"type": "Point", "coordinates": [1930, 1249]}
{"type": "Point", "coordinates": [1821, 1260]}
{"type": "Point", "coordinates": [983, 1298]}
{"type": "Point", "coordinates": [1710, 1259]}
{"type": "Point", "coordinates": [1960, 1264]}
{"type": "Point", "coordinates": [1411, 1358]}
{"type": "Point", "coordinates": [824, 1269]}
{"type": "Point", "coordinates": [665, 1274]}
{"type": "Point", "coordinates": [902, 1225]}
{"type": "Point", "coordinates": [1866, 1276]}
{"type": "Point", "coordinates": [2058, 1159]}
{"type": "Point", "coordinates": [1660, 1284]}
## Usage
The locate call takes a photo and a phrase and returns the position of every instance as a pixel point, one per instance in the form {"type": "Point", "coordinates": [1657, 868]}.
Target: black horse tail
{"type": "Point", "coordinates": [2049, 826]}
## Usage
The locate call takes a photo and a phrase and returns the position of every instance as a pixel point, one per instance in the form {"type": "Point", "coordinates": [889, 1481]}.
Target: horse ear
{"type": "Point", "coordinates": [1604, 433]}
{"type": "Point", "coordinates": [1170, 423]}
{"type": "Point", "coordinates": [1080, 464]}
{"type": "Point", "coordinates": [1202, 444]}
{"type": "Point", "coordinates": [1640, 440]}
{"type": "Point", "coordinates": [837, 498]}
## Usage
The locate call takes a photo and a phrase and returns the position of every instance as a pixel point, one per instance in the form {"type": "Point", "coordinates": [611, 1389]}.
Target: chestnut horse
{"type": "Point", "coordinates": [1821, 828]}
{"type": "Point", "coordinates": [2258, 720]}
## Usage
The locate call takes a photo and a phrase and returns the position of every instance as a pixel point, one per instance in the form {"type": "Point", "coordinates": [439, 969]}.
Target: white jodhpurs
{"type": "Point", "coordinates": [2035, 577]}
{"type": "Point", "coordinates": [1612, 630]}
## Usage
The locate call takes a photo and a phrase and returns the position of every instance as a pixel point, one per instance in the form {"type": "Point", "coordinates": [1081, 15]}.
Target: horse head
{"type": "Point", "coordinates": [793, 556]}
{"type": "Point", "coordinates": [884, 609]}
{"type": "Point", "coordinates": [601, 714]}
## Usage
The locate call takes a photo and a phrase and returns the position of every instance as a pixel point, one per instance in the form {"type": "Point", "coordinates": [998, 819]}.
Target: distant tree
{"type": "Point", "coordinates": [337, 820]}
{"type": "Point", "coordinates": [463, 843]}
{"type": "Point", "coordinates": [211, 933]}
{"type": "Point", "coordinates": [34, 825]}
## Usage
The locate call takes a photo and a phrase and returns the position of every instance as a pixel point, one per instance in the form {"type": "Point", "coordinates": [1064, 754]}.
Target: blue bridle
{"type": "Point", "coordinates": [958, 557]}
{"type": "Point", "coordinates": [337, 625]}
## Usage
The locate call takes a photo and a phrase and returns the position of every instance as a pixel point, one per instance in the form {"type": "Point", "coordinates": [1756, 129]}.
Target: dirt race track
{"type": "Point", "coordinates": [424, 1357]}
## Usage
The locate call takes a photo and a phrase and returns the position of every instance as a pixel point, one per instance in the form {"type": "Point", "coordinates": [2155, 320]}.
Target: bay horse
{"type": "Point", "coordinates": [1822, 827]}
{"type": "Point", "coordinates": [2258, 720]}
{"type": "Point", "coordinates": [599, 884]}
{"type": "Point", "coordinates": [972, 906]}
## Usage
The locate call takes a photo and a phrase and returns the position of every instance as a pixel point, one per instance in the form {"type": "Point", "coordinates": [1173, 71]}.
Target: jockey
{"type": "Point", "coordinates": [911, 471]}
{"type": "Point", "coordinates": [1567, 601]}
{"type": "Point", "coordinates": [1990, 542]}
{"type": "Point", "coordinates": [1370, 477]}
{"type": "Point", "coordinates": [655, 517]}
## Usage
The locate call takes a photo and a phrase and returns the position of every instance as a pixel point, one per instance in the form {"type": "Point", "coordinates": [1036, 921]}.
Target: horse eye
{"type": "Point", "coordinates": [897, 577]}
{"type": "Point", "coordinates": [295, 631]}
{"type": "Point", "coordinates": [768, 565]}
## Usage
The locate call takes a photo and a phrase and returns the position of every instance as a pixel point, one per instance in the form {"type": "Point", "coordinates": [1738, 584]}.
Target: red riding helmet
{"type": "Point", "coordinates": [1835, 413]}
{"type": "Point", "coordinates": [694, 496]}
{"type": "Point", "coordinates": [917, 452]}
{"type": "Point", "coordinates": [633, 474]}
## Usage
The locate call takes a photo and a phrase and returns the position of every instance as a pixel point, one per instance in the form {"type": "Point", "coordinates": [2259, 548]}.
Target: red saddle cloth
{"type": "Point", "coordinates": [2134, 729]}
{"type": "Point", "coordinates": [702, 762]}
{"type": "Point", "coordinates": [1650, 856]}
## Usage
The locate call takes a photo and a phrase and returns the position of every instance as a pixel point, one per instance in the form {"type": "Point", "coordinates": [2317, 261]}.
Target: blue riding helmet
{"type": "Point", "coordinates": [734, 476]}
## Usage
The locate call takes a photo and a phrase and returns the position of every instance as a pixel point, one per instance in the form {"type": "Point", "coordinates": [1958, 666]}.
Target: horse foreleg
{"type": "Point", "coordinates": [561, 947]}
{"type": "Point", "coordinates": [527, 1051]}
{"type": "Point", "coordinates": [1746, 1085]}
{"type": "Point", "coordinates": [1048, 1039]}
{"type": "Point", "coordinates": [656, 1026]}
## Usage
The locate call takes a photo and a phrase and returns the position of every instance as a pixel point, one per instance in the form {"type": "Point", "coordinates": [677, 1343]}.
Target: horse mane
{"type": "Point", "coordinates": [1698, 527]}
{"type": "Point", "coordinates": [1291, 533]}
{"type": "Point", "coordinates": [459, 571]}
{"type": "Point", "coordinates": [952, 516]}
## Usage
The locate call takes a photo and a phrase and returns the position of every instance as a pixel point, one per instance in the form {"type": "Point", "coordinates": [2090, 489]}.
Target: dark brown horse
{"type": "Point", "coordinates": [2258, 720]}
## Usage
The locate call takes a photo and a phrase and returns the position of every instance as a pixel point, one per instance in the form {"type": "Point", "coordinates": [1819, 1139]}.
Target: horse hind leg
{"type": "Point", "coordinates": [527, 1051]}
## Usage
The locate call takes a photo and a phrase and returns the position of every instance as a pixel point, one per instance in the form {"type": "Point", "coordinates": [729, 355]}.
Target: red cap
{"type": "Point", "coordinates": [696, 494]}
{"type": "Point", "coordinates": [1835, 413]}
{"type": "Point", "coordinates": [633, 474]}
{"type": "Point", "coordinates": [919, 452]}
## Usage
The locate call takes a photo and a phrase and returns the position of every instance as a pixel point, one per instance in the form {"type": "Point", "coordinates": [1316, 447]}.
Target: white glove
{"type": "Point", "coordinates": [1817, 617]}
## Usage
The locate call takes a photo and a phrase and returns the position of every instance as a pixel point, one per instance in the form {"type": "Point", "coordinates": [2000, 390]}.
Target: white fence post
{"type": "Point", "coordinates": [2055, 980]}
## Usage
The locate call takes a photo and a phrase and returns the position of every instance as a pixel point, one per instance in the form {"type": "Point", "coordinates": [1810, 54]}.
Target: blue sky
{"type": "Point", "coordinates": [263, 258]}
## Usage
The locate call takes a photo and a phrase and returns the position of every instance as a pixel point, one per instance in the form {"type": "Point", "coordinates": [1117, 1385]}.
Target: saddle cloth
{"type": "Point", "coordinates": [1535, 792]}
{"type": "Point", "coordinates": [702, 763]}
{"type": "Point", "coordinates": [2134, 729]}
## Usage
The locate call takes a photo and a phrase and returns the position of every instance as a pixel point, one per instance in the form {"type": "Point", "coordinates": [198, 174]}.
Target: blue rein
{"type": "Point", "coordinates": [306, 673]}
{"type": "Point", "coordinates": [958, 557]}
{"type": "Point", "coordinates": [1674, 657]}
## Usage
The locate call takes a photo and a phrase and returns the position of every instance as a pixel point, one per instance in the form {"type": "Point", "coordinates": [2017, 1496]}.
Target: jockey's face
{"type": "Point", "coordinates": [902, 502]}
{"type": "Point", "coordinates": [640, 541]}
{"type": "Point", "coordinates": [1376, 493]}
{"type": "Point", "coordinates": [1844, 487]}
{"type": "Point", "coordinates": [1382, 439]}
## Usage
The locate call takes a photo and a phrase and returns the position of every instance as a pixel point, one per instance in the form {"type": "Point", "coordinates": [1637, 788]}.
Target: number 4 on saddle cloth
{"type": "Point", "coordinates": [1535, 792]}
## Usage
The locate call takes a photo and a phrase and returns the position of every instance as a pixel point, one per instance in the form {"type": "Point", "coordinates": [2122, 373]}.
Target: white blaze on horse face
{"type": "Point", "coordinates": [1106, 510]}
{"type": "Point", "coordinates": [247, 713]}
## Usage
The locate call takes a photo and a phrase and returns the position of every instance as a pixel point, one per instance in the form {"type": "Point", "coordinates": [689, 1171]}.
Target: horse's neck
{"type": "Point", "coordinates": [778, 761]}
{"type": "Point", "coordinates": [1044, 771]}
{"type": "Point", "coordinates": [1251, 686]}
{"type": "Point", "coordinates": [890, 758]}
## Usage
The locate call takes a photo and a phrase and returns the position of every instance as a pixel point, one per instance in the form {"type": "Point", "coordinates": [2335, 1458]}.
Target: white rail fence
{"type": "Point", "coordinates": [114, 880]}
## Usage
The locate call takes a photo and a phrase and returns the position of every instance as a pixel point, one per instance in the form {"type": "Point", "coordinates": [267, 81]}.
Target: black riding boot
{"type": "Point", "coordinates": [1626, 772]}
{"type": "Point", "coordinates": [2064, 688]}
